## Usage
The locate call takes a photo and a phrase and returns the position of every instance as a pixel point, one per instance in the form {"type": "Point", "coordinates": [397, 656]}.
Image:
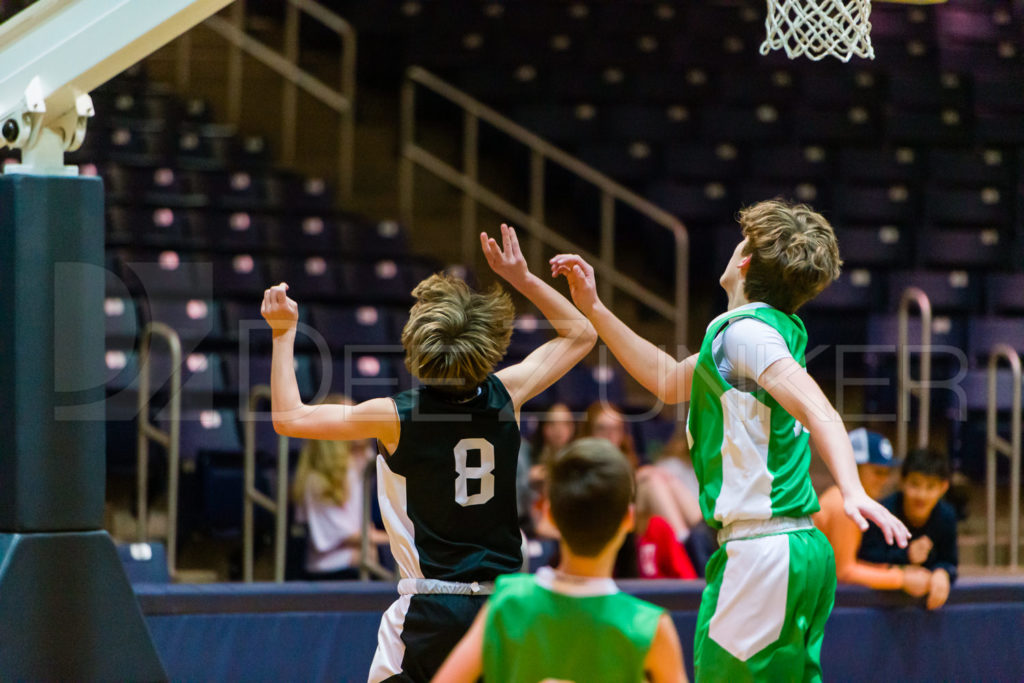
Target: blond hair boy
{"type": "Point", "coordinates": [447, 469]}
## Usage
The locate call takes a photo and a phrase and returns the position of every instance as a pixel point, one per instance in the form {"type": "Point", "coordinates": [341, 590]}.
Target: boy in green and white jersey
{"type": "Point", "coordinates": [753, 408]}
{"type": "Point", "coordinates": [573, 624]}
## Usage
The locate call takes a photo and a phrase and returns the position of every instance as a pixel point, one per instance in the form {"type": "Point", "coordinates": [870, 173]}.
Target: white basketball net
{"type": "Point", "coordinates": [818, 28]}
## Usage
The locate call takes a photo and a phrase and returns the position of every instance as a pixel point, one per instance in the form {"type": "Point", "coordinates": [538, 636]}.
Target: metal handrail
{"type": "Point", "coordinates": [170, 440]}
{"type": "Point", "coordinates": [905, 386]}
{"type": "Point", "coordinates": [252, 496]}
{"type": "Point", "coordinates": [995, 444]}
{"type": "Point", "coordinates": [368, 564]}
{"type": "Point", "coordinates": [341, 99]}
{"type": "Point", "coordinates": [532, 220]}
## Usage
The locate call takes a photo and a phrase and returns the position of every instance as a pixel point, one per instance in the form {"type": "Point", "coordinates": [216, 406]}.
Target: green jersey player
{"type": "Point", "coordinates": [573, 623]}
{"type": "Point", "coordinates": [753, 408]}
{"type": "Point", "coordinates": [447, 469]}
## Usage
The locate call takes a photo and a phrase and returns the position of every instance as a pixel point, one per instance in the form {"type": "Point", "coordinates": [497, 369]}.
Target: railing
{"type": "Point", "coordinates": [532, 220]}
{"type": "Point", "coordinates": [341, 99]}
{"type": "Point", "coordinates": [252, 496]}
{"type": "Point", "coordinates": [905, 385]}
{"type": "Point", "coordinates": [169, 439]}
{"type": "Point", "coordinates": [368, 565]}
{"type": "Point", "coordinates": [995, 444]}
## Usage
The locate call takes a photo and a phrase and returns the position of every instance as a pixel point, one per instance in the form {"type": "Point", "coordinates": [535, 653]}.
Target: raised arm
{"type": "Point", "coordinates": [576, 336]}
{"type": "Point", "coordinates": [798, 393]}
{"type": "Point", "coordinates": [373, 419]}
{"type": "Point", "coordinates": [658, 372]}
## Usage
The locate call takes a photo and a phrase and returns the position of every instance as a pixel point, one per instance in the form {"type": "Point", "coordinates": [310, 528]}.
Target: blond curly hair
{"type": "Point", "coordinates": [793, 253]}
{"type": "Point", "coordinates": [455, 337]}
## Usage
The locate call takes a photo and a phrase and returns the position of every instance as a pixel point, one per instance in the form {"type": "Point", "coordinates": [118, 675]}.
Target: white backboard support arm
{"type": "Point", "coordinates": [55, 52]}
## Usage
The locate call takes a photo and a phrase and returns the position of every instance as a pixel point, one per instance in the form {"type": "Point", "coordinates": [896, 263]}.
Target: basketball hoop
{"type": "Point", "coordinates": [819, 28]}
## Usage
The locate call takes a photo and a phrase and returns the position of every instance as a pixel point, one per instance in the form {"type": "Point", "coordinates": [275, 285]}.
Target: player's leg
{"type": "Point", "coordinates": [762, 616]}
{"type": "Point", "coordinates": [431, 627]}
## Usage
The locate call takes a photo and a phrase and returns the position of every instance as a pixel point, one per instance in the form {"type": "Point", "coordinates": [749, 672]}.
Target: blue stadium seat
{"type": "Point", "coordinates": [971, 166]}
{"type": "Point", "coordinates": [709, 202]}
{"type": "Point", "coordinates": [756, 124]}
{"type": "Point", "coordinates": [628, 162]}
{"type": "Point", "coordinates": [971, 206]}
{"type": "Point", "coordinates": [964, 248]}
{"type": "Point", "coordinates": [777, 86]}
{"type": "Point", "coordinates": [352, 325]}
{"type": "Point", "coordinates": [913, 127]}
{"type": "Point", "coordinates": [167, 273]}
{"type": "Point", "coordinates": [857, 289]}
{"type": "Point", "coordinates": [854, 124]}
{"type": "Point", "coordinates": [896, 204]}
{"type": "Point", "coordinates": [313, 277]}
{"type": "Point", "coordinates": [313, 234]}
{"type": "Point", "coordinates": [1003, 293]}
{"type": "Point", "coordinates": [984, 332]}
{"type": "Point", "coordinates": [562, 123]}
{"type": "Point", "coordinates": [693, 162]}
{"type": "Point", "coordinates": [871, 165]}
{"type": "Point", "coordinates": [234, 230]}
{"type": "Point", "coordinates": [244, 371]}
{"type": "Point", "coordinates": [829, 87]}
{"type": "Point", "coordinates": [241, 275]}
{"type": "Point", "coordinates": [584, 385]}
{"type": "Point", "coordinates": [383, 281]}
{"type": "Point", "coordinates": [193, 319]}
{"type": "Point", "coordinates": [144, 562]}
{"type": "Point", "coordinates": [647, 122]}
{"type": "Point", "coordinates": [120, 320]}
{"type": "Point", "coordinates": [949, 291]}
{"type": "Point", "coordinates": [879, 248]}
{"type": "Point", "coordinates": [950, 332]}
{"type": "Point", "coordinates": [806, 163]}
{"type": "Point", "coordinates": [362, 376]}
{"type": "Point", "coordinates": [386, 238]}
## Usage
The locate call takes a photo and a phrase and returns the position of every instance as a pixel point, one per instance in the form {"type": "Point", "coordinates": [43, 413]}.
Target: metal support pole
{"type": "Point", "coordinates": [995, 444]}
{"type": "Point", "coordinates": [234, 77]}
{"type": "Point", "coordinates": [252, 496]}
{"type": "Point", "coordinates": [169, 439]}
{"type": "Point", "coordinates": [470, 162]}
{"type": "Point", "coordinates": [905, 385]}
{"type": "Point", "coordinates": [289, 91]}
{"type": "Point", "coordinates": [407, 123]}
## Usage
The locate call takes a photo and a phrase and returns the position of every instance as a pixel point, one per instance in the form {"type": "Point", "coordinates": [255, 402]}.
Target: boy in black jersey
{"type": "Point", "coordinates": [446, 475]}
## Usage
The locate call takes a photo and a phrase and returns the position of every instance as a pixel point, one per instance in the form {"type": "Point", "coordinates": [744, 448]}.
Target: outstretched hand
{"type": "Point", "coordinates": [507, 260]}
{"type": "Point", "coordinates": [580, 275]}
{"type": "Point", "coordinates": [280, 311]}
{"type": "Point", "coordinates": [861, 508]}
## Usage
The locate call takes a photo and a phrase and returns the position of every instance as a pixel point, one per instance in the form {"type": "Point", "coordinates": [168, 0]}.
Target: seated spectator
{"type": "Point", "coordinates": [554, 430]}
{"type": "Point", "coordinates": [875, 465]}
{"type": "Point", "coordinates": [328, 494]}
{"type": "Point", "coordinates": [659, 554]}
{"type": "Point", "coordinates": [657, 491]}
{"type": "Point", "coordinates": [931, 521]}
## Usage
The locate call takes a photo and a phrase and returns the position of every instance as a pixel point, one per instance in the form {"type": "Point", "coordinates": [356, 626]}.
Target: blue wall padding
{"type": "Point", "coordinates": [327, 631]}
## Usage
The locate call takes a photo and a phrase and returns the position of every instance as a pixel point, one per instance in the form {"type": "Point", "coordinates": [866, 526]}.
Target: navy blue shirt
{"type": "Point", "coordinates": [940, 528]}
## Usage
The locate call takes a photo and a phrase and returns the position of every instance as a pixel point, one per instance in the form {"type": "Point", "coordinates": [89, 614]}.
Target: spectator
{"type": "Point", "coordinates": [931, 521]}
{"type": "Point", "coordinates": [658, 493]}
{"type": "Point", "coordinates": [875, 463]}
{"type": "Point", "coordinates": [328, 495]}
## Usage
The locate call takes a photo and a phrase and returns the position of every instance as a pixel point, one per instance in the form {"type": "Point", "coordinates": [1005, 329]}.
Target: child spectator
{"type": "Point", "coordinates": [572, 623]}
{"type": "Point", "coordinates": [931, 521]}
{"type": "Point", "coordinates": [875, 465]}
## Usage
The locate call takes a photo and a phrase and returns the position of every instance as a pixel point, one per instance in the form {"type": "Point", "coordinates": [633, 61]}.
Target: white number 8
{"type": "Point", "coordinates": [485, 472]}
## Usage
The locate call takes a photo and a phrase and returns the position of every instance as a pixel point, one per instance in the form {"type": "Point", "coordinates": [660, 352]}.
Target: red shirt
{"type": "Point", "coordinates": [660, 554]}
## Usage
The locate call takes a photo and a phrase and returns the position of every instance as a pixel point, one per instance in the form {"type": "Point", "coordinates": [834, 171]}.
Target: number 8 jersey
{"type": "Point", "coordinates": [448, 492]}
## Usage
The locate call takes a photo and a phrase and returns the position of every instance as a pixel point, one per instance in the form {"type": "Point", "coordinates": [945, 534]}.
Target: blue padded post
{"type": "Point", "coordinates": [66, 608]}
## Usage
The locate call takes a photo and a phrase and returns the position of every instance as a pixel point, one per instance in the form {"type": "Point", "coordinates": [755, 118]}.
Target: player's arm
{"type": "Point", "coordinates": [798, 393]}
{"type": "Point", "coordinates": [466, 662]}
{"type": "Point", "coordinates": [373, 419]}
{"type": "Point", "coordinates": [845, 538]}
{"type": "Point", "coordinates": [664, 661]}
{"type": "Point", "coordinates": [658, 372]}
{"type": "Point", "coordinates": [576, 336]}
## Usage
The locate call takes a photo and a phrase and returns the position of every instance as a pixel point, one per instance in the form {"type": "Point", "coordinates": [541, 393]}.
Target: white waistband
{"type": "Point", "coordinates": [436, 586]}
{"type": "Point", "coordinates": [751, 528]}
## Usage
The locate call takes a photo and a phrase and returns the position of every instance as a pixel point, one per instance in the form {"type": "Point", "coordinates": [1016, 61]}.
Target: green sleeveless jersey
{"type": "Point", "coordinates": [750, 456]}
{"type": "Point", "coordinates": [545, 626]}
{"type": "Point", "coordinates": [448, 493]}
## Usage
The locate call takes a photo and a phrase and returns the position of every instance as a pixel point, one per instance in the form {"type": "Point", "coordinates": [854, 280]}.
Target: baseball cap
{"type": "Point", "coordinates": [871, 448]}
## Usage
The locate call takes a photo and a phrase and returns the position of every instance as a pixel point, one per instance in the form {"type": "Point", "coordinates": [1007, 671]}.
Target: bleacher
{"type": "Point", "coordinates": [917, 157]}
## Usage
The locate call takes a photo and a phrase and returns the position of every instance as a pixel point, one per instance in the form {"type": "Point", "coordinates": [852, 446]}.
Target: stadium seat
{"type": "Point", "coordinates": [144, 562]}
{"type": "Point", "coordinates": [948, 291]}
{"type": "Point", "coordinates": [1003, 293]}
{"type": "Point", "coordinates": [984, 332]}
{"type": "Point", "coordinates": [194, 320]}
{"type": "Point", "coordinates": [964, 248]}
{"type": "Point", "coordinates": [352, 325]}
{"type": "Point", "coordinates": [871, 165]}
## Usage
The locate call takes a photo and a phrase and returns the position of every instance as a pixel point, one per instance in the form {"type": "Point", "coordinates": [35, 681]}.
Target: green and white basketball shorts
{"type": "Point", "coordinates": [762, 616]}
